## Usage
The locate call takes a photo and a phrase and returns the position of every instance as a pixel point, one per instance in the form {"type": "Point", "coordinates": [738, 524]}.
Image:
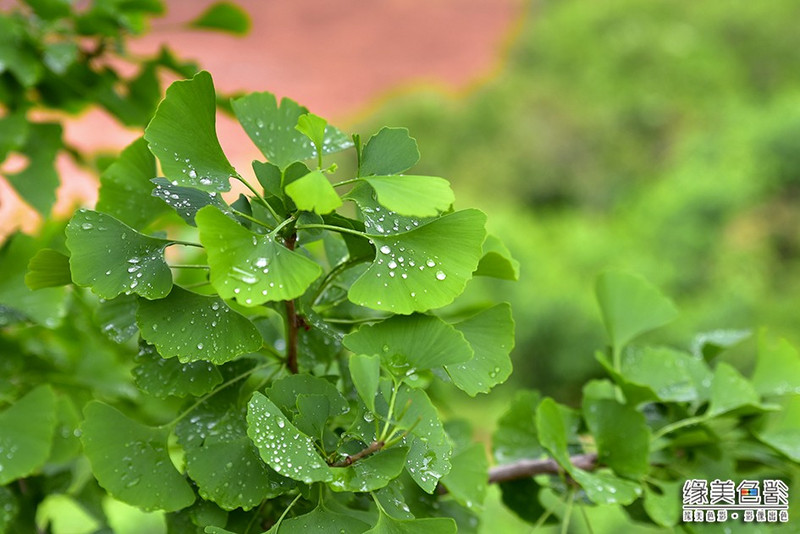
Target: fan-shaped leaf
{"type": "Point", "coordinates": [183, 136]}
{"type": "Point", "coordinates": [26, 434]}
{"type": "Point", "coordinates": [117, 317]}
{"type": "Point", "coordinates": [187, 201]}
{"type": "Point", "coordinates": [437, 525]}
{"type": "Point", "coordinates": [777, 369]}
{"type": "Point", "coordinates": [467, 480]}
{"type": "Point", "coordinates": [415, 196]}
{"type": "Point", "coordinates": [410, 343]}
{"type": "Point", "coordinates": [313, 192]}
{"type": "Point", "coordinates": [285, 391]}
{"type": "Point", "coordinates": [322, 521]}
{"type": "Point", "coordinates": [194, 327]}
{"type": "Point", "coordinates": [250, 267]}
{"type": "Point", "coordinates": [371, 473]}
{"type": "Point", "coordinates": [379, 219]}
{"type": "Point", "coordinates": [365, 371]}
{"type": "Point", "coordinates": [422, 269]}
{"type": "Point", "coordinates": [272, 129]}
{"type": "Point", "coordinates": [497, 261]}
{"type": "Point", "coordinates": [48, 268]}
{"type": "Point", "coordinates": [223, 16]}
{"type": "Point", "coordinates": [390, 151]}
{"type": "Point", "coordinates": [131, 461]}
{"type": "Point", "coordinates": [112, 258]}
{"type": "Point", "coordinates": [491, 336]}
{"type": "Point", "coordinates": [621, 434]}
{"type": "Point", "coordinates": [284, 448]}
{"type": "Point", "coordinates": [163, 378]}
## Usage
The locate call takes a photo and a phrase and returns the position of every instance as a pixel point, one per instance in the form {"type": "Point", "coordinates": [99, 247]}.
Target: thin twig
{"type": "Point", "coordinates": [291, 321]}
{"type": "Point", "coordinates": [373, 447]}
{"type": "Point", "coordinates": [528, 468]}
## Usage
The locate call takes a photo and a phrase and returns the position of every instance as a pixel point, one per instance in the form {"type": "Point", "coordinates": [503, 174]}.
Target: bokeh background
{"type": "Point", "coordinates": [657, 136]}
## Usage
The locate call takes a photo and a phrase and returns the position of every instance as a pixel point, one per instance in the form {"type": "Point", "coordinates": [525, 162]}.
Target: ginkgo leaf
{"type": "Point", "coordinates": [313, 192]}
{"type": "Point", "coordinates": [284, 448]}
{"type": "Point", "coordinates": [321, 521]}
{"type": "Point", "coordinates": [252, 268]}
{"type": "Point", "coordinates": [223, 16]}
{"type": "Point", "coordinates": [272, 129]}
{"type": "Point", "coordinates": [112, 258]}
{"type": "Point", "coordinates": [26, 434]}
{"type": "Point", "coordinates": [131, 461]}
{"type": "Point", "coordinates": [187, 201]}
{"type": "Point", "coordinates": [183, 136]}
{"type": "Point", "coordinates": [162, 377]}
{"type": "Point", "coordinates": [379, 219]}
{"type": "Point", "coordinates": [390, 151]}
{"type": "Point", "coordinates": [117, 317]}
{"type": "Point", "coordinates": [365, 370]}
{"type": "Point", "coordinates": [468, 479]}
{"type": "Point", "coordinates": [284, 392]}
{"type": "Point", "coordinates": [425, 268]}
{"type": "Point", "coordinates": [497, 261]}
{"type": "Point", "coordinates": [125, 187]}
{"type": "Point", "coordinates": [416, 196]}
{"type": "Point", "coordinates": [411, 343]}
{"type": "Point", "coordinates": [194, 327]}
{"type": "Point", "coordinates": [432, 525]}
{"type": "Point", "coordinates": [491, 336]}
{"type": "Point", "coordinates": [48, 268]}
{"type": "Point", "coordinates": [371, 473]}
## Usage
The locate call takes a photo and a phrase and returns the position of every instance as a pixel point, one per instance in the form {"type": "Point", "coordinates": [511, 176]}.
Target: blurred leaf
{"type": "Point", "coordinates": [631, 306]}
{"type": "Point", "coordinates": [272, 129]}
{"type": "Point", "coordinates": [37, 183]}
{"type": "Point", "coordinates": [621, 434]}
{"type": "Point", "coordinates": [782, 431]}
{"type": "Point", "coordinates": [414, 196]}
{"type": "Point", "coordinates": [26, 434]}
{"type": "Point", "coordinates": [50, 9]}
{"type": "Point", "coordinates": [390, 151]}
{"type": "Point", "coordinates": [673, 376]}
{"type": "Point", "coordinates": [183, 136]}
{"type": "Point", "coordinates": [490, 333]}
{"type": "Point", "coordinates": [251, 268]}
{"type": "Point", "coordinates": [207, 329]}
{"type": "Point", "coordinates": [130, 460]}
{"type": "Point", "coordinates": [112, 258]}
{"type": "Point", "coordinates": [468, 479]}
{"type": "Point", "coordinates": [125, 188]}
{"type": "Point", "coordinates": [371, 473]}
{"type": "Point", "coordinates": [516, 437]}
{"type": "Point", "coordinates": [117, 317]}
{"type": "Point", "coordinates": [663, 506]}
{"type": "Point", "coordinates": [9, 508]}
{"type": "Point", "coordinates": [497, 261]}
{"type": "Point", "coordinates": [126, 519]}
{"type": "Point", "coordinates": [709, 344]}
{"type": "Point", "coordinates": [63, 515]}
{"type": "Point", "coordinates": [281, 445]}
{"type": "Point", "coordinates": [365, 371]}
{"type": "Point", "coordinates": [422, 269]}
{"type": "Point", "coordinates": [730, 390]}
{"type": "Point", "coordinates": [313, 192]}
{"type": "Point", "coordinates": [48, 268]}
{"type": "Point", "coordinates": [777, 369]}
{"type": "Point", "coordinates": [163, 377]}
{"type": "Point", "coordinates": [223, 16]}
{"type": "Point", "coordinates": [60, 56]}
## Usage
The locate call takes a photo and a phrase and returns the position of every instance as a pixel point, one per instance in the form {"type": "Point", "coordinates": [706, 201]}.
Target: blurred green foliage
{"type": "Point", "coordinates": [658, 136]}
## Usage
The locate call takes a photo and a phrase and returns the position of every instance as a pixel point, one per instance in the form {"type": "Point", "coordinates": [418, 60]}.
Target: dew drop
{"type": "Point", "coordinates": [385, 249]}
{"type": "Point", "coordinates": [440, 275]}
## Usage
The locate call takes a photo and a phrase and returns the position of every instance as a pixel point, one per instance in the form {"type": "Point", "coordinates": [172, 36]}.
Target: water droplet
{"type": "Point", "coordinates": [193, 174]}
{"type": "Point", "coordinates": [385, 249]}
{"type": "Point", "coordinates": [87, 226]}
{"type": "Point", "coordinates": [430, 263]}
{"type": "Point", "coordinates": [440, 275]}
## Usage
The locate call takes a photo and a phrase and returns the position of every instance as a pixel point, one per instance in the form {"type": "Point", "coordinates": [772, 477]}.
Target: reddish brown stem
{"type": "Point", "coordinates": [291, 321]}
{"type": "Point", "coordinates": [374, 447]}
{"type": "Point", "coordinates": [528, 468]}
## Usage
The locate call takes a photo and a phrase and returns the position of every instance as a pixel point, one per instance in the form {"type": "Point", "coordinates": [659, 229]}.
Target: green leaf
{"type": "Point", "coordinates": [313, 192]}
{"type": "Point", "coordinates": [416, 196]}
{"type": "Point", "coordinates": [50, 9]}
{"type": "Point", "coordinates": [390, 151]}
{"type": "Point", "coordinates": [467, 480]}
{"type": "Point", "coordinates": [378, 219]}
{"type": "Point", "coordinates": [673, 376]}
{"type": "Point", "coordinates": [782, 429]}
{"type": "Point", "coordinates": [605, 488]}
{"type": "Point", "coordinates": [221, 458]}
{"type": "Point", "coordinates": [117, 318]}
{"type": "Point", "coordinates": [163, 378]}
{"type": "Point", "coordinates": [272, 129]}
{"type": "Point", "coordinates": [437, 525]}
{"type": "Point", "coordinates": [48, 268]}
{"type": "Point", "coordinates": [285, 391]}
{"type": "Point", "coordinates": [112, 258]}
{"type": "Point", "coordinates": [64, 516]}
{"type": "Point", "coordinates": [59, 57]}
{"type": "Point", "coordinates": [730, 390]}
{"type": "Point", "coordinates": [283, 447]}
{"type": "Point", "coordinates": [131, 461]}
{"type": "Point", "coordinates": [206, 329]}
{"type": "Point", "coordinates": [126, 519]}
{"type": "Point", "coordinates": [365, 371]}
{"type": "Point", "coordinates": [125, 188]}
{"type": "Point", "coordinates": [313, 127]}
{"type": "Point", "coordinates": [516, 437]}
{"type": "Point", "coordinates": [251, 268]}
{"type": "Point", "coordinates": [26, 434]}
{"type": "Point", "coordinates": [187, 201]}
{"type": "Point", "coordinates": [708, 345]}
{"type": "Point", "coordinates": [411, 343]}
{"type": "Point", "coordinates": [552, 432]}
{"type": "Point", "coordinates": [429, 446]}
{"type": "Point", "coordinates": [777, 369]}
{"type": "Point", "coordinates": [663, 506]}
{"type": "Point", "coordinates": [490, 333]}
{"type": "Point", "coordinates": [631, 306]}
{"type": "Point", "coordinates": [371, 473]}
{"type": "Point", "coordinates": [37, 183]}
{"type": "Point", "coordinates": [9, 508]}
{"type": "Point", "coordinates": [44, 306]}
{"type": "Point", "coordinates": [621, 434]}
{"type": "Point", "coordinates": [322, 521]}
{"type": "Point", "coordinates": [425, 268]}
{"type": "Point", "coordinates": [183, 136]}
{"type": "Point", "coordinates": [223, 16]}
{"type": "Point", "coordinates": [497, 261]}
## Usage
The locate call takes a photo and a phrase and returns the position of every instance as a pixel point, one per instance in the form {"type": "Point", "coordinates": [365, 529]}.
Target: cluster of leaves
{"type": "Point", "coordinates": [663, 416]}
{"type": "Point", "coordinates": [58, 57]}
{"type": "Point", "coordinates": [294, 348]}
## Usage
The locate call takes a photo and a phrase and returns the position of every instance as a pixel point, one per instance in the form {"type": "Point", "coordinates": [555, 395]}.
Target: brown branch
{"type": "Point", "coordinates": [291, 321]}
{"type": "Point", "coordinates": [374, 447]}
{"type": "Point", "coordinates": [528, 468]}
